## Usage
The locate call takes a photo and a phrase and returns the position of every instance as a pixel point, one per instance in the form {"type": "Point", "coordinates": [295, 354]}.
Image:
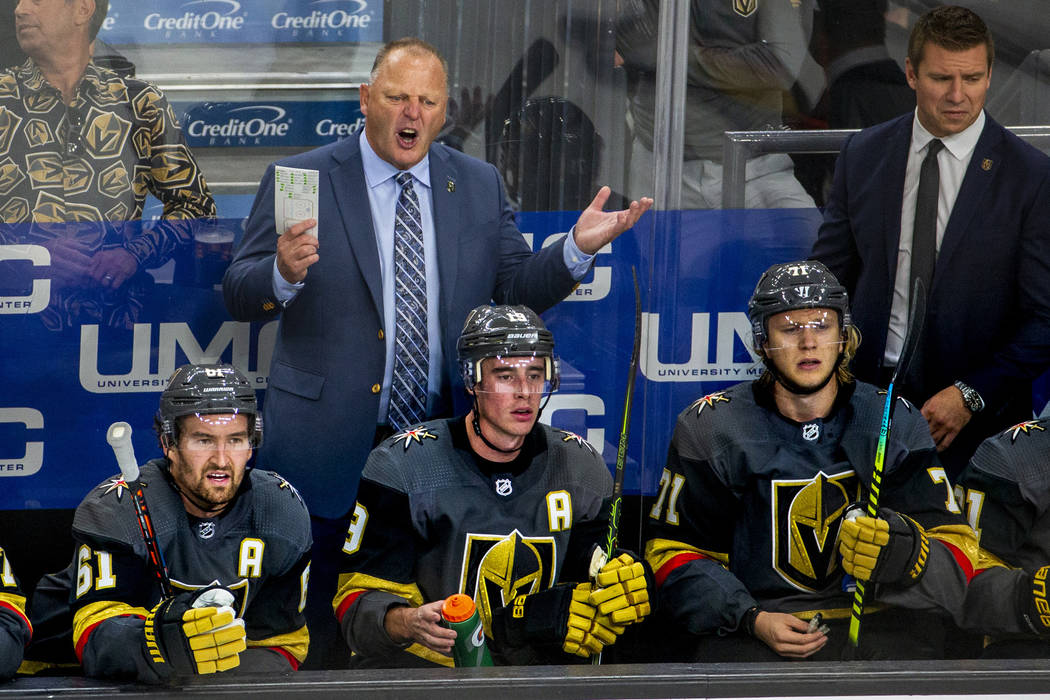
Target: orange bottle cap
{"type": "Point", "coordinates": [458, 607]}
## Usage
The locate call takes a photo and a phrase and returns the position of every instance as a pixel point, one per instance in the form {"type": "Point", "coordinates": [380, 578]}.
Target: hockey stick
{"type": "Point", "coordinates": [119, 438]}
{"type": "Point", "coordinates": [916, 319]}
{"type": "Point", "coordinates": [615, 508]}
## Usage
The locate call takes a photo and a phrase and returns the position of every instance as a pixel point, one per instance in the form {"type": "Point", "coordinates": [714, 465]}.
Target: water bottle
{"type": "Point", "coordinates": [459, 613]}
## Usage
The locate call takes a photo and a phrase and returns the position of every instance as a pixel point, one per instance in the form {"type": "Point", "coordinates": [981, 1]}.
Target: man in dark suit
{"type": "Point", "coordinates": [330, 396]}
{"type": "Point", "coordinates": [986, 223]}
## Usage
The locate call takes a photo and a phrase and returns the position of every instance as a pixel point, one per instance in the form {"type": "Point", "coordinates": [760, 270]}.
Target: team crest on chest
{"type": "Point", "coordinates": [498, 568]}
{"type": "Point", "coordinates": [806, 517]}
{"type": "Point", "coordinates": [414, 435]}
{"type": "Point", "coordinates": [239, 589]}
{"type": "Point", "coordinates": [745, 8]}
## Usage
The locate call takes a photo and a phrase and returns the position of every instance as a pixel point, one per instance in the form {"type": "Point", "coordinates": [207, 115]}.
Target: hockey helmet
{"type": "Point", "coordinates": [796, 285]}
{"type": "Point", "coordinates": [206, 389]}
{"type": "Point", "coordinates": [504, 331]}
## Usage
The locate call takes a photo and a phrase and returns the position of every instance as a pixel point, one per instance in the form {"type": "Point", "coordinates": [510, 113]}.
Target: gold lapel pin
{"type": "Point", "coordinates": [986, 164]}
{"type": "Point", "coordinates": [451, 186]}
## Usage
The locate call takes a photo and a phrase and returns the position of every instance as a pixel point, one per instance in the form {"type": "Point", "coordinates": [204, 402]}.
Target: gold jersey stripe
{"type": "Point", "coordinates": [660, 551]}
{"type": "Point", "coordinates": [351, 583]}
{"type": "Point", "coordinates": [296, 643]}
{"type": "Point", "coordinates": [94, 613]}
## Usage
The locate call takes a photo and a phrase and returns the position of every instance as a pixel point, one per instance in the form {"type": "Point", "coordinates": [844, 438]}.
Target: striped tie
{"type": "Point", "coordinates": [408, 390]}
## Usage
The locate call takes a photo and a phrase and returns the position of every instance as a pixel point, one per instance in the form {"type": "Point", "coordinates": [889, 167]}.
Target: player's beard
{"type": "Point", "coordinates": [201, 492]}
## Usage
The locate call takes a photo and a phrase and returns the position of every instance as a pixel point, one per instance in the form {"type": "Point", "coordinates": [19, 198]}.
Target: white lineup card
{"type": "Point", "coordinates": [294, 197]}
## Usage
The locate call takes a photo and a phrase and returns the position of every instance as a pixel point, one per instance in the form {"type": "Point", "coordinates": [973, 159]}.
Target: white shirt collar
{"type": "Point", "coordinates": [960, 145]}
{"type": "Point", "coordinates": [378, 171]}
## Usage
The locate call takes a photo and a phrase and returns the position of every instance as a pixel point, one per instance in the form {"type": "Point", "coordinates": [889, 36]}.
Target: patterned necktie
{"type": "Point", "coordinates": [408, 390]}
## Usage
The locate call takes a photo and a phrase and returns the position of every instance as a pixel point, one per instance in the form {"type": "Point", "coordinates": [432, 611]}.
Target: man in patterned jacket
{"type": "Point", "coordinates": [744, 538]}
{"type": "Point", "coordinates": [494, 505]}
{"type": "Point", "coordinates": [80, 148]}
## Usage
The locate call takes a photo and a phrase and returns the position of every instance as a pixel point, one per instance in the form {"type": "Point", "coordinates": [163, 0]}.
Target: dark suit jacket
{"type": "Point", "coordinates": [322, 401]}
{"type": "Point", "coordinates": [988, 312]}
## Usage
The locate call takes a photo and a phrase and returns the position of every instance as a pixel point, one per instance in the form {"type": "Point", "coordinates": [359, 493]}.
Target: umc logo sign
{"type": "Point", "coordinates": [33, 457]}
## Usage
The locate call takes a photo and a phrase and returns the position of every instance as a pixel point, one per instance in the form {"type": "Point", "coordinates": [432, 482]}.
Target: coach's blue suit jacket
{"type": "Point", "coordinates": [322, 401]}
{"type": "Point", "coordinates": [988, 312]}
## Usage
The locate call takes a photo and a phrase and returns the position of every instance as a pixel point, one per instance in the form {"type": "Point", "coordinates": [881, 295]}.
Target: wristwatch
{"type": "Point", "coordinates": [971, 398]}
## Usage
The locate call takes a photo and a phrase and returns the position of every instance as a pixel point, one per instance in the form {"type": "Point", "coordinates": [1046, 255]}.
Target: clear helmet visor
{"type": "Point", "coordinates": [803, 328]}
{"type": "Point", "coordinates": [530, 374]}
{"type": "Point", "coordinates": [217, 432]}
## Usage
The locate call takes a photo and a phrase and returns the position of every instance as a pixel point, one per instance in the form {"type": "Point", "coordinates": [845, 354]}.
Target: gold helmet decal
{"type": "Point", "coordinates": [806, 518]}
{"type": "Point", "coordinates": [176, 168]}
{"type": "Point", "coordinates": [10, 175]}
{"type": "Point", "coordinates": [9, 122]}
{"type": "Point", "coordinates": [114, 180]}
{"type": "Point", "coordinates": [45, 170]}
{"type": "Point", "coordinates": [38, 133]}
{"type": "Point", "coordinates": [498, 568]}
{"type": "Point", "coordinates": [14, 210]}
{"type": "Point", "coordinates": [105, 133]}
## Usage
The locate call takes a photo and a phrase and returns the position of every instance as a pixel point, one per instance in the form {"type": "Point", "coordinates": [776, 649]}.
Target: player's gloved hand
{"type": "Point", "coordinates": [557, 617]}
{"type": "Point", "coordinates": [621, 590]}
{"type": "Point", "coordinates": [1033, 604]}
{"type": "Point", "coordinates": [892, 548]}
{"type": "Point", "coordinates": [194, 633]}
{"type": "Point", "coordinates": [588, 632]}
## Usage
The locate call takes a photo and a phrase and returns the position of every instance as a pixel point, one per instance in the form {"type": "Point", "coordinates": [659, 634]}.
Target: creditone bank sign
{"type": "Point", "coordinates": [268, 124]}
{"type": "Point", "coordinates": [242, 21]}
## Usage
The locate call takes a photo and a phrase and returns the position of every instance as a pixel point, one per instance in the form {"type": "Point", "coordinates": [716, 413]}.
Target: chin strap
{"type": "Point", "coordinates": [477, 425]}
{"type": "Point", "coordinates": [795, 388]}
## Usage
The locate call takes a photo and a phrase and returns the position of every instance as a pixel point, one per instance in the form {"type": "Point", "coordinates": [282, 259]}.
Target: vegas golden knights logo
{"type": "Point", "coordinates": [239, 590]}
{"type": "Point", "coordinates": [45, 169]}
{"type": "Point", "coordinates": [177, 168]}
{"type": "Point", "coordinates": [9, 122]}
{"type": "Point", "coordinates": [745, 8]}
{"type": "Point", "coordinates": [145, 104]}
{"type": "Point", "coordinates": [77, 176]}
{"type": "Point", "coordinates": [10, 175]}
{"type": "Point", "coordinates": [8, 85]}
{"type": "Point", "coordinates": [114, 180]}
{"type": "Point", "coordinates": [105, 134]}
{"type": "Point", "coordinates": [38, 133]}
{"type": "Point", "coordinates": [498, 568]}
{"type": "Point", "coordinates": [141, 140]}
{"type": "Point", "coordinates": [806, 518]}
{"type": "Point", "coordinates": [14, 210]}
{"type": "Point", "coordinates": [41, 102]}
